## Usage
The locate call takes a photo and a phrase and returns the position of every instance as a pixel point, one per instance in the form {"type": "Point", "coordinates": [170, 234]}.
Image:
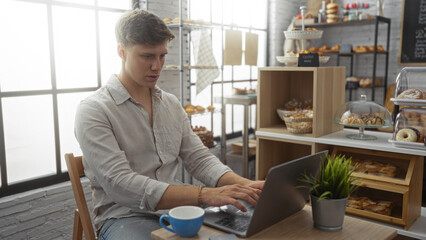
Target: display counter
{"type": "Point", "coordinates": [276, 146]}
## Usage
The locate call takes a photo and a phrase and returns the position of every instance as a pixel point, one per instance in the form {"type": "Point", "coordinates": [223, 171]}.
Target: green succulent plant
{"type": "Point", "coordinates": [335, 179]}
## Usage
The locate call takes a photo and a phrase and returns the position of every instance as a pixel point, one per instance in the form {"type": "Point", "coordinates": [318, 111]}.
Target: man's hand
{"type": "Point", "coordinates": [230, 194]}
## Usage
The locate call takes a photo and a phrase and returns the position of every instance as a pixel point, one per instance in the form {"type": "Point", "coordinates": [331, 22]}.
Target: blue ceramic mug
{"type": "Point", "coordinates": [186, 221]}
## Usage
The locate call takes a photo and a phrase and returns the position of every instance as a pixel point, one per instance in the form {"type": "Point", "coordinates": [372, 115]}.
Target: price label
{"type": "Point", "coordinates": [308, 60]}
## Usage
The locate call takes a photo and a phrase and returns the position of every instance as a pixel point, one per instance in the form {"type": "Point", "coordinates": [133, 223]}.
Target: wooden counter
{"type": "Point", "coordinates": [300, 226]}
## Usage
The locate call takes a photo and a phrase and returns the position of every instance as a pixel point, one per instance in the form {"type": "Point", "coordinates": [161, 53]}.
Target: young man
{"type": "Point", "coordinates": [131, 134]}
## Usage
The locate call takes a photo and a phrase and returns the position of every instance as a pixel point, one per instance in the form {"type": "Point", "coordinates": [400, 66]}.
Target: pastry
{"type": "Point", "coordinates": [413, 94]}
{"type": "Point", "coordinates": [199, 109]}
{"type": "Point", "coordinates": [360, 49]}
{"type": "Point", "coordinates": [189, 110]}
{"type": "Point", "coordinates": [352, 79]}
{"type": "Point", "coordinates": [210, 108]}
{"type": "Point", "coordinates": [332, 6]}
{"type": "Point", "coordinates": [313, 49]}
{"type": "Point", "coordinates": [205, 136]}
{"type": "Point", "coordinates": [324, 48]}
{"type": "Point", "coordinates": [331, 11]}
{"type": "Point", "coordinates": [335, 48]}
{"type": "Point", "coordinates": [372, 119]}
{"type": "Point", "coordinates": [406, 135]}
{"type": "Point", "coordinates": [167, 20]}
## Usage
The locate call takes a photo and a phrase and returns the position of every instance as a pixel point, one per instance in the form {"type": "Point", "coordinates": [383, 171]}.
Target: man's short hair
{"type": "Point", "coordinates": [141, 27]}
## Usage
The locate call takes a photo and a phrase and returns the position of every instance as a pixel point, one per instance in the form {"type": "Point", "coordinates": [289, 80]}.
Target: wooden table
{"type": "Point", "coordinates": [300, 226]}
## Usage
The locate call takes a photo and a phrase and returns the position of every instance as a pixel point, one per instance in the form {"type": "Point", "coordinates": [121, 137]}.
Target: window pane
{"type": "Point", "coordinates": [242, 72]}
{"type": "Point", "coordinates": [24, 45]}
{"type": "Point", "coordinates": [110, 61]}
{"type": "Point", "coordinates": [242, 13]}
{"type": "Point", "coordinates": [258, 14]}
{"type": "Point", "coordinates": [122, 4]}
{"type": "Point", "coordinates": [29, 137]}
{"type": "Point", "coordinates": [85, 2]}
{"type": "Point", "coordinates": [217, 11]}
{"type": "Point", "coordinates": [67, 106]}
{"type": "Point", "coordinates": [200, 10]}
{"type": "Point", "coordinates": [75, 47]}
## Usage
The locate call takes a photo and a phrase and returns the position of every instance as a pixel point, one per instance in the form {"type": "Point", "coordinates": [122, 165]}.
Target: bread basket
{"type": "Point", "coordinates": [299, 122]}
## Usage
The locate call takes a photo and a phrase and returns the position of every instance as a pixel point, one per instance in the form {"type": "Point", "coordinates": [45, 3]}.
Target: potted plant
{"type": "Point", "coordinates": [330, 192]}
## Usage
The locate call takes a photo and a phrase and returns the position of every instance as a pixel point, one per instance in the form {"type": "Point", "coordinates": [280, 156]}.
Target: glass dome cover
{"type": "Point", "coordinates": [363, 114]}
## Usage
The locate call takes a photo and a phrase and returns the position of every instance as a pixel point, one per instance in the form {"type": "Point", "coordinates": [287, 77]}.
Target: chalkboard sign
{"type": "Point", "coordinates": [308, 60]}
{"type": "Point", "coordinates": [412, 50]}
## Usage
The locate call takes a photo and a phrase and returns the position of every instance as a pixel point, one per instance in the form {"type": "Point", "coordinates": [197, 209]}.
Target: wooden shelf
{"type": "Point", "coordinates": [325, 86]}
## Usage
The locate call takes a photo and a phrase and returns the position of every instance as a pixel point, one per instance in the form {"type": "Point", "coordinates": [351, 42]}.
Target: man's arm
{"type": "Point", "coordinates": [230, 188]}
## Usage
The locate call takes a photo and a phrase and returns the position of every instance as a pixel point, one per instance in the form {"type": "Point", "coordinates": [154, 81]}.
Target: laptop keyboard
{"type": "Point", "coordinates": [235, 222]}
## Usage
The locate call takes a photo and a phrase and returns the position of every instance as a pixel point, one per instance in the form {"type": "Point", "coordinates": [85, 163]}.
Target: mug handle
{"type": "Point", "coordinates": [163, 225]}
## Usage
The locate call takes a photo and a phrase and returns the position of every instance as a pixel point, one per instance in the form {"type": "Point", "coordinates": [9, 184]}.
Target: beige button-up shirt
{"type": "Point", "coordinates": [129, 163]}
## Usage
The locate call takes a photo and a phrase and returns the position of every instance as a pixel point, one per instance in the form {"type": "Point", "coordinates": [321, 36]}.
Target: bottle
{"type": "Point", "coordinates": [321, 16]}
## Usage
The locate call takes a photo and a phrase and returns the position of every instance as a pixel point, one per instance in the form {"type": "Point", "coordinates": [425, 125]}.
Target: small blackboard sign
{"type": "Point", "coordinates": [412, 49]}
{"type": "Point", "coordinates": [308, 60]}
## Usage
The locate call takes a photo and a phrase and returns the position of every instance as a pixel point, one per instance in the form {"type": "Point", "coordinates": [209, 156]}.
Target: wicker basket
{"type": "Point", "coordinates": [298, 125]}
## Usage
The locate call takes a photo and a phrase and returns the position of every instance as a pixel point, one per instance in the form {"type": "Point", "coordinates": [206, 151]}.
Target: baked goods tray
{"type": "Point", "coordinates": [408, 102]}
{"type": "Point", "coordinates": [293, 60]}
{"type": "Point", "coordinates": [412, 145]}
{"type": "Point", "coordinates": [299, 34]}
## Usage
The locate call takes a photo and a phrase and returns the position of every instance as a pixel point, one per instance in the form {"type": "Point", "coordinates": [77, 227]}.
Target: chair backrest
{"type": "Point", "coordinates": [82, 217]}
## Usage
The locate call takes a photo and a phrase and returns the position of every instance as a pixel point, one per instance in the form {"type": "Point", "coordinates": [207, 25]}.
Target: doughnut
{"type": "Point", "coordinates": [331, 11]}
{"type": "Point", "coordinates": [332, 5]}
{"type": "Point", "coordinates": [332, 16]}
{"type": "Point", "coordinates": [406, 135]}
{"type": "Point", "coordinates": [411, 94]}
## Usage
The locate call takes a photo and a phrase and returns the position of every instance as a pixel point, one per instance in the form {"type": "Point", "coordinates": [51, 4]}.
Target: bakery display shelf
{"type": "Point", "coordinates": [279, 85]}
{"type": "Point", "coordinates": [193, 26]}
{"type": "Point", "coordinates": [371, 21]}
{"type": "Point", "coordinates": [408, 102]}
{"type": "Point", "coordinates": [300, 34]}
{"type": "Point", "coordinates": [380, 166]}
{"type": "Point", "coordinates": [406, 202]}
{"type": "Point", "coordinates": [411, 145]}
{"type": "Point", "coordinates": [362, 53]}
{"type": "Point", "coordinates": [206, 112]}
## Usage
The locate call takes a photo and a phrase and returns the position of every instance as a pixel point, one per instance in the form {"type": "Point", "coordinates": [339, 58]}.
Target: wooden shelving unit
{"type": "Point", "coordinates": [325, 85]}
{"type": "Point", "coordinates": [402, 189]}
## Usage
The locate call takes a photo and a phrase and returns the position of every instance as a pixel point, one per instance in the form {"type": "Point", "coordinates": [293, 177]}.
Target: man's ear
{"type": "Point", "coordinates": [121, 50]}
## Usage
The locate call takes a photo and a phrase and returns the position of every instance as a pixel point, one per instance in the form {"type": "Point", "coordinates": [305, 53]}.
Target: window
{"type": "Point", "coordinates": [245, 16]}
{"type": "Point", "coordinates": [53, 54]}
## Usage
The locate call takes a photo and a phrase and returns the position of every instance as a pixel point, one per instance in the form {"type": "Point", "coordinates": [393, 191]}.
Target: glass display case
{"type": "Point", "coordinates": [410, 128]}
{"type": "Point", "coordinates": [363, 114]}
{"type": "Point", "coordinates": [410, 87]}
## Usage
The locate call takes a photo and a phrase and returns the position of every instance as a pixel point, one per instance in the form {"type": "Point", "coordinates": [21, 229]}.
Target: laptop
{"type": "Point", "coordinates": [279, 199]}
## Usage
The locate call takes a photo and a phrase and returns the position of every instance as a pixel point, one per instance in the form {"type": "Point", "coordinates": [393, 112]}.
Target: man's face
{"type": "Point", "coordinates": [142, 63]}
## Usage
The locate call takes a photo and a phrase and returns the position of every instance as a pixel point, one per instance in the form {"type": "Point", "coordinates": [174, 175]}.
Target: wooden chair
{"type": "Point", "coordinates": [82, 219]}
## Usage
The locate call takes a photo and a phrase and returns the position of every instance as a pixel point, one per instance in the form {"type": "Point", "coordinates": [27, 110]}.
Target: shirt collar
{"type": "Point", "coordinates": [120, 94]}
